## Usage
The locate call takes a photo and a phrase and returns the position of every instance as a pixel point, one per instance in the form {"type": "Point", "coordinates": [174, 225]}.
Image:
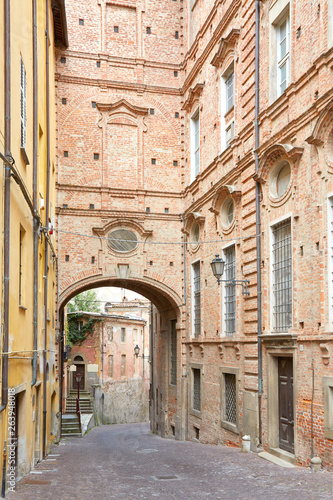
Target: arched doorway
{"type": "Point", "coordinates": [80, 369]}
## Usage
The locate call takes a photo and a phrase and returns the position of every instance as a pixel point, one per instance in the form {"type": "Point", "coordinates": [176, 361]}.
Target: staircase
{"type": "Point", "coordinates": [70, 426]}
{"type": "Point", "coordinates": [70, 421]}
{"type": "Point", "coordinates": [86, 402]}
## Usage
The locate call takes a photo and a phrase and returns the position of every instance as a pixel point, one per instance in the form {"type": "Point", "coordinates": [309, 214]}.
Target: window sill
{"type": "Point", "coordinates": [24, 156]}
{"type": "Point", "coordinates": [229, 426]}
{"type": "Point", "coordinates": [196, 413]}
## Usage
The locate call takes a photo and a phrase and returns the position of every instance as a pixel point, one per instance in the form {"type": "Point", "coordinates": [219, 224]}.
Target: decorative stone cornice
{"type": "Point", "coordinates": [226, 45]}
{"type": "Point", "coordinates": [220, 194]}
{"type": "Point", "coordinates": [193, 95]}
{"type": "Point", "coordinates": [272, 155]}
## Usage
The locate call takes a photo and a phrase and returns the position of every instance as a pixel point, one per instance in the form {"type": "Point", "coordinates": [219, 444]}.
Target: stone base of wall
{"type": "Point", "coordinates": [125, 402]}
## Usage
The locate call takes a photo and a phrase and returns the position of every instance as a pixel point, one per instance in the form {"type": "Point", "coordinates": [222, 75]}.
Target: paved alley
{"type": "Point", "coordinates": [127, 462]}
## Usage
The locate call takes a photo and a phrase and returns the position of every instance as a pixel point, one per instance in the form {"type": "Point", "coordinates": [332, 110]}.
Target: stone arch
{"type": "Point", "coordinates": [322, 136]}
{"type": "Point", "coordinates": [159, 293]}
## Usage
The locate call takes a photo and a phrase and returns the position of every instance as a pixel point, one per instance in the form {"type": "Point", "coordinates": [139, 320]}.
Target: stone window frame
{"type": "Point", "coordinates": [328, 406]}
{"type": "Point", "coordinates": [192, 411]}
{"type": "Point", "coordinates": [279, 11]}
{"type": "Point", "coordinates": [225, 424]}
{"type": "Point", "coordinates": [330, 257]}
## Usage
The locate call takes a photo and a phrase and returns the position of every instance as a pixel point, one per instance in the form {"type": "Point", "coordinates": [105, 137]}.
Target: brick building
{"type": "Point", "coordinates": [111, 372]}
{"type": "Point", "coordinates": [197, 128]}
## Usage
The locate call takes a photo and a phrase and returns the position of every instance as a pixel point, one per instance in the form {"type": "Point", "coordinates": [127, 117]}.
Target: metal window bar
{"type": "Point", "coordinates": [173, 372]}
{"type": "Point", "coordinates": [230, 398]}
{"type": "Point", "coordinates": [196, 299]}
{"type": "Point", "coordinates": [196, 389]}
{"type": "Point", "coordinates": [230, 291]}
{"type": "Point", "coordinates": [282, 275]}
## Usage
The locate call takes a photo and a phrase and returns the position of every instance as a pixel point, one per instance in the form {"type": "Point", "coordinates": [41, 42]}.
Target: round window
{"type": "Point", "coordinates": [228, 212]}
{"type": "Point", "coordinates": [195, 233]}
{"type": "Point", "coordinates": [123, 240]}
{"type": "Point", "coordinates": [280, 179]}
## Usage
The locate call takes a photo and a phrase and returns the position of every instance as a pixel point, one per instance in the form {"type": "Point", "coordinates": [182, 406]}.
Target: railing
{"type": "Point", "coordinates": [78, 412]}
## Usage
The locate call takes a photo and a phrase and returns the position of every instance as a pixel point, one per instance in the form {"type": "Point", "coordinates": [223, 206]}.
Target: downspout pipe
{"type": "Point", "coordinates": [258, 222]}
{"type": "Point", "coordinates": [47, 212]}
{"type": "Point", "coordinates": [35, 197]}
{"type": "Point", "coordinates": [4, 388]}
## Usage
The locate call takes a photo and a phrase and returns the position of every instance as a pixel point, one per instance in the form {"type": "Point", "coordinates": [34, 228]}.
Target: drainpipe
{"type": "Point", "coordinates": [47, 38]}
{"type": "Point", "coordinates": [35, 197]}
{"type": "Point", "coordinates": [4, 392]}
{"type": "Point", "coordinates": [258, 223]}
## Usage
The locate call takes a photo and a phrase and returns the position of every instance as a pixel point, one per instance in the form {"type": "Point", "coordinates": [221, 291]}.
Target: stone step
{"type": "Point", "coordinates": [77, 434]}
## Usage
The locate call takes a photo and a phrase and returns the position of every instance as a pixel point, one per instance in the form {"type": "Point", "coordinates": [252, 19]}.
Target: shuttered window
{"type": "Point", "coordinates": [23, 98]}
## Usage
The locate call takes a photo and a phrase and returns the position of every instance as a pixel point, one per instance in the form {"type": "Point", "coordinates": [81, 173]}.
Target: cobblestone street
{"type": "Point", "coordinates": [126, 461]}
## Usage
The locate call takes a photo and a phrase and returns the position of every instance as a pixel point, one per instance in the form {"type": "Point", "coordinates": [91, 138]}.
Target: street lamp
{"type": "Point", "coordinates": [217, 266]}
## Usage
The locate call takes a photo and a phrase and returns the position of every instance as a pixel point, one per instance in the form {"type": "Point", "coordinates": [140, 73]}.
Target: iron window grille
{"type": "Point", "coordinates": [196, 389]}
{"type": "Point", "coordinates": [196, 300]}
{"type": "Point", "coordinates": [282, 274]}
{"type": "Point", "coordinates": [173, 371]}
{"type": "Point", "coordinates": [230, 291]}
{"type": "Point", "coordinates": [230, 398]}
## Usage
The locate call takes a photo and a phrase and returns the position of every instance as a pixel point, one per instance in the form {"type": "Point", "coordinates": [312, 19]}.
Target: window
{"type": "Point", "coordinates": [196, 299]}
{"type": "Point", "coordinates": [227, 103]}
{"type": "Point", "coordinates": [123, 240]}
{"type": "Point", "coordinates": [229, 299]}
{"type": "Point", "coordinates": [228, 212]}
{"type": "Point", "coordinates": [195, 145]}
{"type": "Point", "coordinates": [79, 325]}
{"type": "Point", "coordinates": [280, 179]}
{"type": "Point", "coordinates": [21, 264]}
{"type": "Point", "coordinates": [196, 392]}
{"type": "Point", "coordinates": [123, 335]}
{"type": "Point", "coordinates": [195, 234]}
{"type": "Point", "coordinates": [282, 274]}
{"type": "Point", "coordinates": [116, 29]}
{"type": "Point", "coordinates": [111, 366]}
{"type": "Point", "coordinates": [110, 333]}
{"type": "Point", "coordinates": [135, 335]}
{"type": "Point", "coordinates": [283, 54]}
{"type": "Point", "coordinates": [23, 99]}
{"type": "Point", "coordinates": [123, 365]}
{"type": "Point", "coordinates": [229, 398]}
{"type": "Point", "coordinates": [229, 84]}
{"type": "Point", "coordinates": [173, 354]}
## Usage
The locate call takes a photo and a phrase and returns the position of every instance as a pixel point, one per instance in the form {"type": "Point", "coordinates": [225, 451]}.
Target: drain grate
{"type": "Point", "coordinates": [165, 478]}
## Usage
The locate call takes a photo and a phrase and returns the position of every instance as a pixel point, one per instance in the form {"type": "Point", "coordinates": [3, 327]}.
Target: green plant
{"type": "Point", "coordinates": [76, 335]}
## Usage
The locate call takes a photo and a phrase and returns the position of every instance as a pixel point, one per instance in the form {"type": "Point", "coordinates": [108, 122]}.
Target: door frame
{"type": "Point", "coordinates": [273, 353]}
{"type": "Point", "coordinates": [73, 387]}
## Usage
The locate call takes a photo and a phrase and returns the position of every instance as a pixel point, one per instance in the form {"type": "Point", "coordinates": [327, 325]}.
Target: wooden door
{"type": "Point", "coordinates": [79, 369]}
{"type": "Point", "coordinates": [286, 406]}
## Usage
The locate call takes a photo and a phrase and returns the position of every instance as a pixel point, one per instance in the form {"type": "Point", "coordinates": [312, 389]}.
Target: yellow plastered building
{"type": "Point", "coordinates": [30, 340]}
